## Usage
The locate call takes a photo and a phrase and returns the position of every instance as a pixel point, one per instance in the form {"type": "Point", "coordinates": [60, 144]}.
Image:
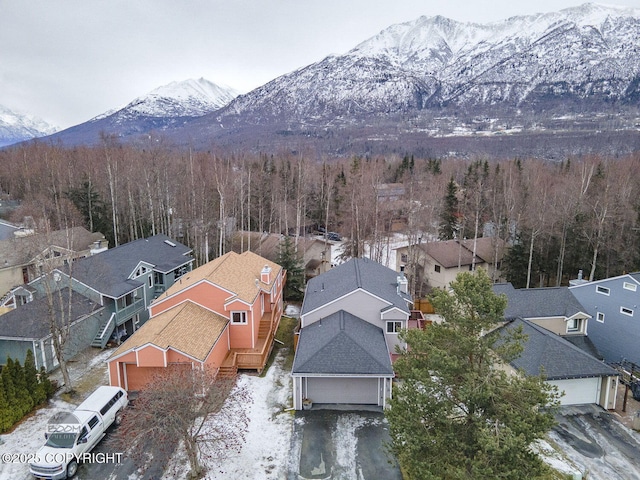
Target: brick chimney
{"type": "Point", "coordinates": [265, 274]}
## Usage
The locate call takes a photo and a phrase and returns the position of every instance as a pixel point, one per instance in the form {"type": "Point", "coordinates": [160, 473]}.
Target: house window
{"type": "Point", "coordinates": [437, 268]}
{"type": "Point", "coordinates": [404, 258]}
{"type": "Point", "coordinates": [394, 327]}
{"type": "Point", "coordinates": [600, 317]}
{"type": "Point", "coordinates": [626, 311]}
{"type": "Point", "coordinates": [150, 281]}
{"type": "Point", "coordinates": [239, 317]}
{"type": "Point", "coordinates": [630, 286]}
{"type": "Point", "coordinates": [573, 325]}
{"type": "Point", "coordinates": [602, 290]}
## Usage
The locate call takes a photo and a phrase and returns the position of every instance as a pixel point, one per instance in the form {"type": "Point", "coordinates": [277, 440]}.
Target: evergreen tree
{"type": "Point", "coordinates": [515, 262]}
{"type": "Point", "coordinates": [5, 414]}
{"type": "Point", "coordinates": [454, 397]}
{"type": "Point", "coordinates": [449, 215]}
{"type": "Point", "coordinates": [24, 402]}
{"type": "Point", "coordinates": [34, 387]}
{"type": "Point", "coordinates": [47, 387]}
{"type": "Point", "coordinates": [291, 262]}
{"type": "Point", "coordinates": [13, 414]}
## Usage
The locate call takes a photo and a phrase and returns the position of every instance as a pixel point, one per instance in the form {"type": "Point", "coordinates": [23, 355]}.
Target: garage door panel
{"type": "Point", "coordinates": [578, 391]}
{"type": "Point", "coordinates": [343, 390]}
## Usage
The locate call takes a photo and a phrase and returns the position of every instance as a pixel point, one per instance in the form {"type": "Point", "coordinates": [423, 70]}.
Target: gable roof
{"type": "Point", "coordinates": [539, 302]}
{"type": "Point", "coordinates": [237, 273]}
{"type": "Point", "coordinates": [267, 245]}
{"type": "Point", "coordinates": [187, 328]}
{"type": "Point", "coordinates": [23, 250]}
{"type": "Point", "coordinates": [451, 253]}
{"type": "Point", "coordinates": [108, 272]}
{"type": "Point", "coordinates": [342, 344]}
{"type": "Point", "coordinates": [29, 321]}
{"type": "Point", "coordinates": [559, 358]}
{"type": "Point", "coordinates": [357, 273]}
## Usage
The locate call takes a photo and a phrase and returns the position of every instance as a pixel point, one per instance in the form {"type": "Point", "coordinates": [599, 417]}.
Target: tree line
{"type": "Point", "coordinates": [559, 217]}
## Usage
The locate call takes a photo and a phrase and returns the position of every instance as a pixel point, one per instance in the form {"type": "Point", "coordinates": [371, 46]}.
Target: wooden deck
{"type": "Point", "coordinates": [254, 358]}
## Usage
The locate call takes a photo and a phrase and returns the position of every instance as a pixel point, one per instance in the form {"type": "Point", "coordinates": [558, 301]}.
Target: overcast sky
{"type": "Point", "coordinates": [67, 61]}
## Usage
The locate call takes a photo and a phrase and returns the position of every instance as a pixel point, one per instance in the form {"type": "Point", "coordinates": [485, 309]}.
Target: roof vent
{"type": "Point", "coordinates": [170, 243]}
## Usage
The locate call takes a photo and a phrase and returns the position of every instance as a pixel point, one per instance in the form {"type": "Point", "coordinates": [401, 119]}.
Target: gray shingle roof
{"type": "Point", "coordinates": [350, 276]}
{"type": "Point", "coordinates": [538, 302]}
{"type": "Point", "coordinates": [342, 344]}
{"type": "Point", "coordinates": [559, 358]}
{"type": "Point", "coordinates": [29, 321]}
{"type": "Point", "coordinates": [108, 271]}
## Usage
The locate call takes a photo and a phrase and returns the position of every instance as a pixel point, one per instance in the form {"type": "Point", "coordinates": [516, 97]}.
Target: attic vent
{"type": "Point", "coordinates": [170, 243]}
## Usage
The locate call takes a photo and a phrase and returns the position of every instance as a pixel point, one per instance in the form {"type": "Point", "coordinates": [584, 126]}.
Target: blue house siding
{"type": "Point", "coordinates": [618, 336]}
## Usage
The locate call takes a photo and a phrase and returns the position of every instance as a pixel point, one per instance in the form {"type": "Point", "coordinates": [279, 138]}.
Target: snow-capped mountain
{"type": "Point", "coordinates": [16, 127]}
{"type": "Point", "coordinates": [167, 106]}
{"type": "Point", "coordinates": [438, 76]}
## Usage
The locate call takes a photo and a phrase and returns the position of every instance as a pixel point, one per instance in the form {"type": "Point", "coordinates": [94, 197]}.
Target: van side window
{"type": "Point", "coordinates": [111, 403]}
{"type": "Point", "coordinates": [93, 422]}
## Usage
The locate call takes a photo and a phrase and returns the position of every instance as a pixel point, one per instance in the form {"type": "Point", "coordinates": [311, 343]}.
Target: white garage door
{"type": "Point", "coordinates": [578, 391]}
{"type": "Point", "coordinates": [343, 390]}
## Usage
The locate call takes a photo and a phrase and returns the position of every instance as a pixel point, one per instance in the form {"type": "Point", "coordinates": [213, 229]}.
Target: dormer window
{"type": "Point", "coordinates": [573, 325]}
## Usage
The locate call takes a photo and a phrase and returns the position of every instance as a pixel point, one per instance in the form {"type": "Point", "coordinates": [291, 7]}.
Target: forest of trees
{"type": "Point", "coordinates": [562, 217]}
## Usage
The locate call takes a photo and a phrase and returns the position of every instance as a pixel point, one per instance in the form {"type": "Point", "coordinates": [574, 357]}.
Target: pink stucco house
{"type": "Point", "coordinates": [222, 315]}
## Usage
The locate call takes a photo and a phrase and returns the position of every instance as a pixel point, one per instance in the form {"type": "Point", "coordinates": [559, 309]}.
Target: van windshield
{"type": "Point", "coordinates": [61, 440]}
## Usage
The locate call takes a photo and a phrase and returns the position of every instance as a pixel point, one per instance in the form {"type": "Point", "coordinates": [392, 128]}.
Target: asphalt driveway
{"type": "Point", "coordinates": [342, 445]}
{"type": "Point", "coordinates": [598, 443]}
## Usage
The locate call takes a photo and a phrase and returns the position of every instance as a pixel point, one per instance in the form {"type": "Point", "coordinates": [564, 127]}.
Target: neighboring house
{"type": "Point", "coordinates": [553, 308]}
{"type": "Point", "coordinates": [613, 305]}
{"type": "Point", "coordinates": [582, 378]}
{"type": "Point", "coordinates": [22, 256]}
{"type": "Point", "coordinates": [126, 279]}
{"type": "Point", "coordinates": [349, 325]}
{"type": "Point", "coordinates": [438, 263]}
{"type": "Point", "coordinates": [223, 314]}
{"type": "Point", "coordinates": [27, 328]}
{"type": "Point", "coordinates": [314, 253]}
{"type": "Point", "coordinates": [557, 325]}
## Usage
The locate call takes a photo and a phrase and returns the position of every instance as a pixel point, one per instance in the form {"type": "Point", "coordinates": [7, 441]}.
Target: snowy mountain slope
{"type": "Point", "coordinates": [588, 54]}
{"type": "Point", "coordinates": [15, 127]}
{"type": "Point", "coordinates": [169, 105]}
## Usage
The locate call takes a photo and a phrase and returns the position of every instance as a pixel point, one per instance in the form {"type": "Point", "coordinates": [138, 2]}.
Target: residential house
{"type": "Point", "coordinates": [126, 279]}
{"type": "Point", "coordinates": [22, 256]}
{"type": "Point", "coordinates": [557, 326]}
{"type": "Point", "coordinates": [349, 325]}
{"type": "Point", "coordinates": [613, 305]}
{"type": "Point", "coordinates": [580, 377]}
{"type": "Point", "coordinates": [437, 264]}
{"type": "Point", "coordinates": [314, 253]}
{"type": "Point", "coordinates": [28, 328]}
{"type": "Point", "coordinates": [222, 315]}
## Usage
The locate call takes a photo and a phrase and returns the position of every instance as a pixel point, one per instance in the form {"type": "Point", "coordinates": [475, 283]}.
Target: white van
{"type": "Point", "coordinates": [69, 440]}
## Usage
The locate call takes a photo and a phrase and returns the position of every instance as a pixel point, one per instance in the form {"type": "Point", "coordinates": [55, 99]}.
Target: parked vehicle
{"type": "Point", "coordinates": [68, 441]}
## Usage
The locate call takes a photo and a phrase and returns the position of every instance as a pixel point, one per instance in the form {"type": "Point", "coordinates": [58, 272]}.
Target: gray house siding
{"type": "Point", "coordinates": [358, 303]}
{"type": "Point", "coordinates": [618, 336]}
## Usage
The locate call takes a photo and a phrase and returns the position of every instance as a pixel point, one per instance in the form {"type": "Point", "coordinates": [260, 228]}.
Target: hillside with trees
{"type": "Point", "coordinates": [559, 217]}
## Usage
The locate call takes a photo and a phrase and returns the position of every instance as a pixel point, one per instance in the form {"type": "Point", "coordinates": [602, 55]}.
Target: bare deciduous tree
{"type": "Point", "coordinates": [185, 407]}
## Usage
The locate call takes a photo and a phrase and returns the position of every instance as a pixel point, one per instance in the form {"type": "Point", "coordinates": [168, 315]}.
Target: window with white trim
{"type": "Point", "coordinates": [150, 281]}
{"type": "Point", "coordinates": [573, 325]}
{"type": "Point", "coordinates": [394, 326]}
{"type": "Point", "coordinates": [600, 317]}
{"type": "Point", "coordinates": [239, 318]}
{"type": "Point", "coordinates": [626, 311]}
{"type": "Point", "coordinates": [602, 290]}
{"type": "Point", "coordinates": [629, 286]}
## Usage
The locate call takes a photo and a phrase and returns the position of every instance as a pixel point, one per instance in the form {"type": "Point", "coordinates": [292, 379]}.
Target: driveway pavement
{"type": "Point", "coordinates": [598, 443]}
{"type": "Point", "coordinates": [342, 445]}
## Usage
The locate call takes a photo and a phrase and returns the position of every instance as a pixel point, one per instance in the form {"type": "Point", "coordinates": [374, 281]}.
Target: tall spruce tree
{"type": "Point", "coordinates": [449, 216]}
{"type": "Point", "coordinates": [453, 398]}
{"type": "Point", "coordinates": [291, 262]}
